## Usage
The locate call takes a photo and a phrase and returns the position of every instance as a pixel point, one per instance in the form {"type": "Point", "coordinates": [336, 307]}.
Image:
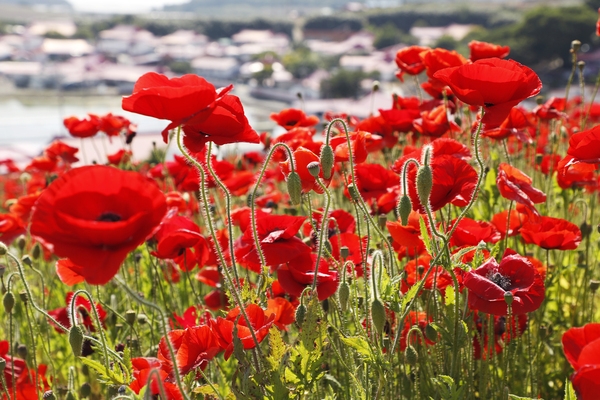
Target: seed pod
{"type": "Point", "coordinates": [508, 298]}
{"type": "Point", "coordinates": [412, 357]}
{"type": "Point", "coordinates": [431, 333]}
{"type": "Point", "coordinates": [327, 159]}
{"type": "Point", "coordinates": [353, 190]}
{"type": "Point", "coordinates": [344, 295]}
{"type": "Point", "coordinates": [314, 169]}
{"type": "Point", "coordinates": [130, 317]}
{"type": "Point", "coordinates": [9, 302]}
{"type": "Point", "coordinates": [424, 184]}
{"type": "Point", "coordinates": [378, 315]}
{"type": "Point", "coordinates": [294, 186]}
{"type": "Point", "coordinates": [300, 314]}
{"type": "Point", "coordinates": [27, 260]}
{"type": "Point", "coordinates": [344, 252]}
{"type": "Point", "coordinates": [76, 339]}
{"type": "Point", "coordinates": [404, 209]}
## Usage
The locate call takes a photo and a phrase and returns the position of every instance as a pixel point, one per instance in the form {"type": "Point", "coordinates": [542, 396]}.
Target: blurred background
{"type": "Point", "coordinates": [60, 58]}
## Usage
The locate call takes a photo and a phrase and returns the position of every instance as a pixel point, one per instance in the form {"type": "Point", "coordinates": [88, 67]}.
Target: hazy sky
{"type": "Point", "coordinates": [121, 6]}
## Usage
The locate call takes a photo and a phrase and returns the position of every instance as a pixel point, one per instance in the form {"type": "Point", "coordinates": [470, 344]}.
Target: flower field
{"type": "Point", "coordinates": [443, 248]}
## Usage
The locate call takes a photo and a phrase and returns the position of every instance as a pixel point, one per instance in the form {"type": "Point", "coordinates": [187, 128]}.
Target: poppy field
{"type": "Point", "coordinates": [443, 248]}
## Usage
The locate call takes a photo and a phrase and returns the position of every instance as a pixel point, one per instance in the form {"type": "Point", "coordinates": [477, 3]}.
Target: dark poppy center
{"type": "Point", "coordinates": [500, 280]}
{"type": "Point", "coordinates": [291, 122]}
{"type": "Point", "coordinates": [486, 105]}
{"type": "Point", "coordinates": [109, 217]}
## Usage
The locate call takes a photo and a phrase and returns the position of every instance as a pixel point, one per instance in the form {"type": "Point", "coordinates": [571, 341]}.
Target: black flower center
{"type": "Point", "coordinates": [109, 217]}
{"type": "Point", "coordinates": [500, 280]}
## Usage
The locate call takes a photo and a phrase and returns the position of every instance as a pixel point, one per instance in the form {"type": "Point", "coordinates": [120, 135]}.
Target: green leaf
{"type": "Point", "coordinates": [108, 377]}
{"type": "Point", "coordinates": [515, 397]}
{"type": "Point", "coordinates": [569, 390]}
{"type": "Point", "coordinates": [449, 298]}
{"type": "Point", "coordinates": [425, 235]}
{"type": "Point", "coordinates": [359, 344]}
{"type": "Point", "coordinates": [412, 292]}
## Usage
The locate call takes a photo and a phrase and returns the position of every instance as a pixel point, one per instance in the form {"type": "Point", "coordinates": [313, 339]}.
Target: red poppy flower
{"type": "Point", "coordinates": [24, 380]}
{"type": "Point", "coordinates": [582, 349]}
{"type": "Point", "coordinates": [502, 333]}
{"type": "Point", "coordinates": [373, 180]}
{"type": "Point", "coordinates": [470, 232]}
{"type": "Point", "coordinates": [302, 158]}
{"type": "Point", "coordinates": [82, 128]}
{"type": "Point", "coordinates": [358, 145]}
{"type": "Point", "coordinates": [409, 61]}
{"type": "Point", "coordinates": [435, 123]}
{"type": "Point", "coordinates": [553, 108]}
{"type": "Point", "coordinates": [260, 324]}
{"type": "Point", "coordinates": [290, 118]}
{"type": "Point", "coordinates": [143, 367]}
{"type": "Point", "coordinates": [194, 348]}
{"type": "Point", "coordinates": [121, 156]}
{"type": "Point", "coordinates": [500, 221]}
{"type": "Point", "coordinates": [583, 147]}
{"type": "Point", "coordinates": [516, 124]}
{"type": "Point", "coordinates": [83, 306]}
{"type": "Point", "coordinates": [514, 185]}
{"type": "Point", "coordinates": [283, 310]}
{"type": "Point", "coordinates": [481, 50]}
{"type": "Point", "coordinates": [184, 175]}
{"type": "Point", "coordinates": [435, 60]}
{"type": "Point", "coordinates": [576, 175]}
{"type": "Point", "coordinates": [96, 215]}
{"type": "Point", "coordinates": [299, 273]}
{"type": "Point", "coordinates": [113, 125]}
{"type": "Point", "coordinates": [407, 239]}
{"type": "Point", "coordinates": [400, 120]}
{"type": "Point", "coordinates": [377, 125]}
{"type": "Point", "coordinates": [515, 274]}
{"type": "Point", "coordinates": [340, 221]}
{"type": "Point", "coordinates": [11, 227]}
{"type": "Point", "coordinates": [277, 235]}
{"type": "Point", "coordinates": [495, 84]}
{"type": "Point", "coordinates": [440, 147]}
{"type": "Point", "coordinates": [414, 318]}
{"type": "Point", "coordinates": [58, 149]}
{"type": "Point", "coordinates": [416, 269]}
{"type": "Point", "coordinates": [190, 101]}
{"type": "Point", "coordinates": [551, 233]}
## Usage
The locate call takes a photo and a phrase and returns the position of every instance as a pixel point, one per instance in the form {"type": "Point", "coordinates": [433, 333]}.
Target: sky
{"type": "Point", "coordinates": [121, 6]}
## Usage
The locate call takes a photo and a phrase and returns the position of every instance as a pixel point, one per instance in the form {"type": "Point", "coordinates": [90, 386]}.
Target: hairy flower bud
{"type": "Point", "coordinates": [294, 186]}
{"type": "Point", "coordinates": [412, 357]}
{"type": "Point", "coordinates": [344, 295]}
{"type": "Point", "coordinates": [327, 160]}
{"type": "Point", "coordinates": [404, 209]}
{"type": "Point", "coordinates": [424, 184]}
{"type": "Point", "coordinates": [9, 302]}
{"type": "Point", "coordinates": [76, 339]}
{"type": "Point", "coordinates": [353, 190]}
{"type": "Point", "coordinates": [300, 314]}
{"type": "Point", "coordinates": [431, 333]}
{"type": "Point", "coordinates": [378, 315]}
{"type": "Point", "coordinates": [314, 168]}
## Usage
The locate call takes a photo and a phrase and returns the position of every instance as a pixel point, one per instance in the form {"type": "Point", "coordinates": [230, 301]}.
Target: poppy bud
{"type": "Point", "coordinates": [36, 252]}
{"type": "Point", "coordinates": [142, 319]}
{"type": "Point", "coordinates": [325, 305]}
{"type": "Point", "coordinates": [314, 168]}
{"type": "Point", "coordinates": [508, 298]}
{"type": "Point", "coordinates": [294, 186]}
{"type": "Point", "coordinates": [9, 302]}
{"type": "Point", "coordinates": [344, 295]}
{"type": "Point", "coordinates": [49, 395]}
{"type": "Point", "coordinates": [76, 339]}
{"type": "Point", "coordinates": [424, 184]}
{"type": "Point", "coordinates": [412, 357]}
{"type": "Point", "coordinates": [3, 249]}
{"type": "Point", "coordinates": [22, 351]}
{"type": "Point", "coordinates": [539, 100]}
{"type": "Point", "coordinates": [85, 390]}
{"type": "Point", "coordinates": [586, 229]}
{"type": "Point", "coordinates": [23, 296]}
{"type": "Point", "coordinates": [353, 190]}
{"type": "Point", "coordinates": [594, 284]}
{"type": "Point", "coordinates": [300, 314]}
{"type": "Point", "coordinates": [378, 315]}
{"type": "Point", "coordinates": [381, 220]}
{"type": "Point", "coordinates": [431, 333]}
{"type": "Point", "coordinates": [326, 159]}
{"type": "Point", "coordinates": [404, 209]}
{"type": "Point", "coordinates": [344, 252]}
{"type": "Point", "coordinates": [21, 242]}
{"type": "Point", "coordinates": [130, 317]}
{"type": "Point", "coordinates": [27, 260]}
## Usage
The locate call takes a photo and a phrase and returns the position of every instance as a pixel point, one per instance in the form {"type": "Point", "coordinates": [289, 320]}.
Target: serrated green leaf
{"type": "Point", "coordinates": [108, 377]}
{"type": "Point", "coordinates": [425, 235]}
{"type": "Point", "coordinates": [412, 292]}
{"type": "Point", "coordinates": [515, 397]}
{"type": "Point", "coordinates": [569, 390]}
{"type": "Point", "coordinates": [310, 329]}
{"type": "Point", "coordinates": [449, 298]}
{"type": "Point", "coordinates": [277, 346]}
{"type": "Point", "coordinates": [359, 344]}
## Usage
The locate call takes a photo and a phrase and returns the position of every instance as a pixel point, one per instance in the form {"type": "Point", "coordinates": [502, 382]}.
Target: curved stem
{"type": "Point", "coordinates": [324, 228]}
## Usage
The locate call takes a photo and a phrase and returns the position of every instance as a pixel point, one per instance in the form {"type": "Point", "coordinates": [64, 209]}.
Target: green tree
{"type": "Point", "coordinates": [301, 62]}
{"type": "Point", "coordinates": [342, 83]}
{"type": "Point", "coordinates": [390, 35]}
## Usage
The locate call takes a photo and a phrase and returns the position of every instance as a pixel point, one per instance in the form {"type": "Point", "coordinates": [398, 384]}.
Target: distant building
{"type": "Point", "coordinates": [126, 39]}
{"type": "Point", "coordinates": [219, 69]}
{"type": "Point", "coordinates": [428, 35]}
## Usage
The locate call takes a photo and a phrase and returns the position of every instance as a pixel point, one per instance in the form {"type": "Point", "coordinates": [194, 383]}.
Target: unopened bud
{"type": "Point", "coordinates": [314, 168]}
{"type": "Point", "coordinates": [424, 184]}
{"type": "Point", "coordinates": [378, 315]}
{"type": "Point", "coordinates": [325, 305]}
{"type": "Point", "coordinates": [23, 296]}
{"type": "Point", "coordinates": [404, 209]}
{"type": "Point", "coordinates": [586, 229]}
{"type": "Point", "coordinates": [294, 186]}
{"type": "Point", "coordinates": [27, 260]}
{"type": "Point", "coordinates": [9, 302]}
{"type": "Point", "coordinates": [21, 242]}
{"type": "Point", "coordinates": [3, 249]}
{"type": "Point", "coordinates": [411, 355]}
{"type": "Point", "coordinates": [381, 220]}
{"type": "Point", "coordinates": [327, 158]}
{"type": "Point", "coordinates": [36, 252]}
{"type": "Point", "coordinates": [22, 351]}
{"type": "Point", "coordinates": [76, 339]}
{"type": "Point", "coordinates": [431, 333]}
{"type": "Point", "coordinates": [354, 193]}
{"type": "Point", "coordinates": [300, 314]}
{"type": "Point", "coordinates": [344, 295]}
{"type": "Point", "coordinates": [85, 390]}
